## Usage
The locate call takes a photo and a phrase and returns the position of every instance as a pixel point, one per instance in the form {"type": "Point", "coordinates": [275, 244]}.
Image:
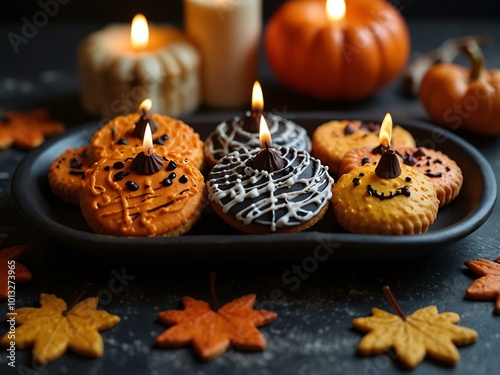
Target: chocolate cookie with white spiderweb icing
{"type": "Point", "coordinates": [289, 199]}
{"type": "Point", "coordinates": [236, 133]}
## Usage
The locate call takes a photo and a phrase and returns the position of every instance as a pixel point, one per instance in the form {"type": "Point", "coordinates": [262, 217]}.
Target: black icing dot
{"type": "Point", "coordinates": [365, 161]}
{"type": "Point", "coordinates": [106, 168]}
{"type": "Point", "coordinates": [172, 175]}
{"type": "Point", "coordinates": [161, 140]}
{"type": "Point", "coordinates": [132, 186]}
{"type": "Point", "coordinates": [120, 175]}
{"type": "Point", "coordinates": [355, 181]}
{"type": "Point", "coordinates": [118, 165]}
{"type": "Point", "coordinates": [183, 179]}
{"type": "Point", "coordinates": [171, 165]}
{"type": "Point", "coordinates": [419, 152]}
{"type": "Point", "coordinates": [122, 141]}
{"type": "Point", "coordinates": [73, 163]}
{"type": "Point", "coordinates": [348, 130]}
{"type": "Point", "coordinates": [361, 174]}
{"type": "Point", "coordinates": [166, 182]}
{"type": "Point", "coordinates": [408, 179]}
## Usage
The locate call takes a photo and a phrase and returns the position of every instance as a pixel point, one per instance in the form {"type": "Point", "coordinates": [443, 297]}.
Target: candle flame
{"type": "Point", "coordinates": [264, 134]}
{"type": "Point", "coordinates": [147, 142]}
{"type": "Point", "coordinates": [386, 131]}
{"type": "Point", "coordinates": [146, 105]}
{"type": "Point", "coordinates": [335, 9]}
{"type": "Point", "coordinates": [257, 98]}
{"type": "Point", "coordinates": [139, 32]}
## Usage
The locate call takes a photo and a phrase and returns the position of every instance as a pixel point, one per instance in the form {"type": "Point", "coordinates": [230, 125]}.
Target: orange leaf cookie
{"type": "Point", "coordinates": [53, 328]}
{"type": "Point", "coordinates": [425, 332]}
{"type": "Point", "coordinates": [18, 272]}
{"type": "Point", "coordinates": [486, 287]}
{"type": "Point", "coordinates": [211, 332]}
{"type": "Point", "coordinates": [27, 130]}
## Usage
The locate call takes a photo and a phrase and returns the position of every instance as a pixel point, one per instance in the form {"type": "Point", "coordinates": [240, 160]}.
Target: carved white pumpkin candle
{"type": "Point", "coordinates": [121, 65]}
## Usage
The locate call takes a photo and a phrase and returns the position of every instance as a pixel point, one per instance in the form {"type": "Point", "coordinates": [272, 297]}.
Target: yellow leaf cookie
{"type": "Point", "coordinates": [425, 332]}
{"type": "Point", "coordinates": [53, 328]}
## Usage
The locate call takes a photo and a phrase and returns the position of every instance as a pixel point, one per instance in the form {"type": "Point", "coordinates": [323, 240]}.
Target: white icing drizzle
{"type": "Point", "coordinates": [230, 136]}
{"type": "Point", "coordinates": [287, 197]}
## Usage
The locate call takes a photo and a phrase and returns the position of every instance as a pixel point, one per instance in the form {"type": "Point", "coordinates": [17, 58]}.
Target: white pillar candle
{"type": "Point", "coordinates": [227, 32]}
{"type": "Point", "coordinates": [118, 73]}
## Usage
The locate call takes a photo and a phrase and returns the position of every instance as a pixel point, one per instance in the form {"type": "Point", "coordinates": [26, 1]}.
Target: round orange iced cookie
{"type": "Point", "coordinates": [117, 200]}
{"type": "Point", "coordinates": [367, 204]}
{"type": "Point", "coordinates": [444, 173]}
{"type": "Point", "coordinates": [332, 140]}
{"type": "Point", "coordinates": [66, 174]}
{"type": "Point", "coordinates": [174, 134]}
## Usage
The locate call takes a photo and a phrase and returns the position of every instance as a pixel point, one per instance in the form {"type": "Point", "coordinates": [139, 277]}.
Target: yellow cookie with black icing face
{"type": "Point", "coordinates": [173, 134]}
{"type": "Point", "coordinates": [117, 200]}
{"type": "Point", "coordinates": [367, 204]}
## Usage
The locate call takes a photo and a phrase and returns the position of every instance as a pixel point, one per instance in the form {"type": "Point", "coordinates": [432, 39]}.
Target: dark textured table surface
{"type": "Point", "coordinates": [313, 333]}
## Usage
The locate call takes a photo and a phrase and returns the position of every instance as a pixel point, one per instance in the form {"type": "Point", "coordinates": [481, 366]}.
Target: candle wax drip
{"type": "Point", "coordinates": [268, 159]}
{"type": "Point", "coordinates": [140, 126]}
{"type": "Point", "coordinates": [251, 123]}
{"type": "Point", "coordinates": [388, 166]}
{"type": "Point", "coordinates": [145, 164]}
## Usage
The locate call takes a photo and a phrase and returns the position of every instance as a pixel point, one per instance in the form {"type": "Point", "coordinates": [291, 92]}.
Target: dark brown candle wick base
{"type": "Point", "coordinates": [251, 123]}
{"type": "Point", "coordinates": [215, 302]}
{"type": "Point", "coordinates": [140, 125]}
{"type": "Point", "coordinates": [146, 164]}
{"type": "Point", "coordinates": [388, 167]}
{"type": "Point", "coordinates": [268, 159]}
{"type": "Point", "coordinates": [393, 302]}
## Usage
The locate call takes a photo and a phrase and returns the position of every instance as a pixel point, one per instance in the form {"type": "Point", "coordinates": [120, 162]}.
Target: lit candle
{"type": "Point", "coordinates": [243, 131]}
{"type": "Point", "coordinates": [388, 167]}
{"type": "Point", "coordinates": [267, 158]}
{"type": "Point", "coordinates": [147, 162]}
{"type": "Point", "coordinates": [228, 34]}
{"type": "Point", "coordinates": [251, 123]}
{"type": "Point", "coordinates": [121, 65]}
{"type": "Point", "coordinates": [139, 33]}
{"type": "Point", "coordinates": [335, 10]}
{"type": "Point", "coordinates": [144, 120]}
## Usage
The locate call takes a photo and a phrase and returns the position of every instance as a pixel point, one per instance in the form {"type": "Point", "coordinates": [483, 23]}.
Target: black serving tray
{"type": "Point", "coordinates": [213, 240]}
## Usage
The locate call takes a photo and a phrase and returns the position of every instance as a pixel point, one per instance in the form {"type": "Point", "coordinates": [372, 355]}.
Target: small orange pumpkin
{"type": "Point", "coordinates": [456, 97]}
{"type": "Point", "coordinates": [351, 58]}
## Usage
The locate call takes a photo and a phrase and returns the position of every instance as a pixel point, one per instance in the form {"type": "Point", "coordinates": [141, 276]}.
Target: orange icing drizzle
{"type": "Point", "coordinates": [182, 138]}
{"type": "Point", "coordinates": [151, 210]}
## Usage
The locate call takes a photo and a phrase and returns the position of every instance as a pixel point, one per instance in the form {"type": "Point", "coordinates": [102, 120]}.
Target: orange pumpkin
{"type": "Point", "coordinates": [351, 58]}
{"type": "Point", "coordinates": [456, 97]}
